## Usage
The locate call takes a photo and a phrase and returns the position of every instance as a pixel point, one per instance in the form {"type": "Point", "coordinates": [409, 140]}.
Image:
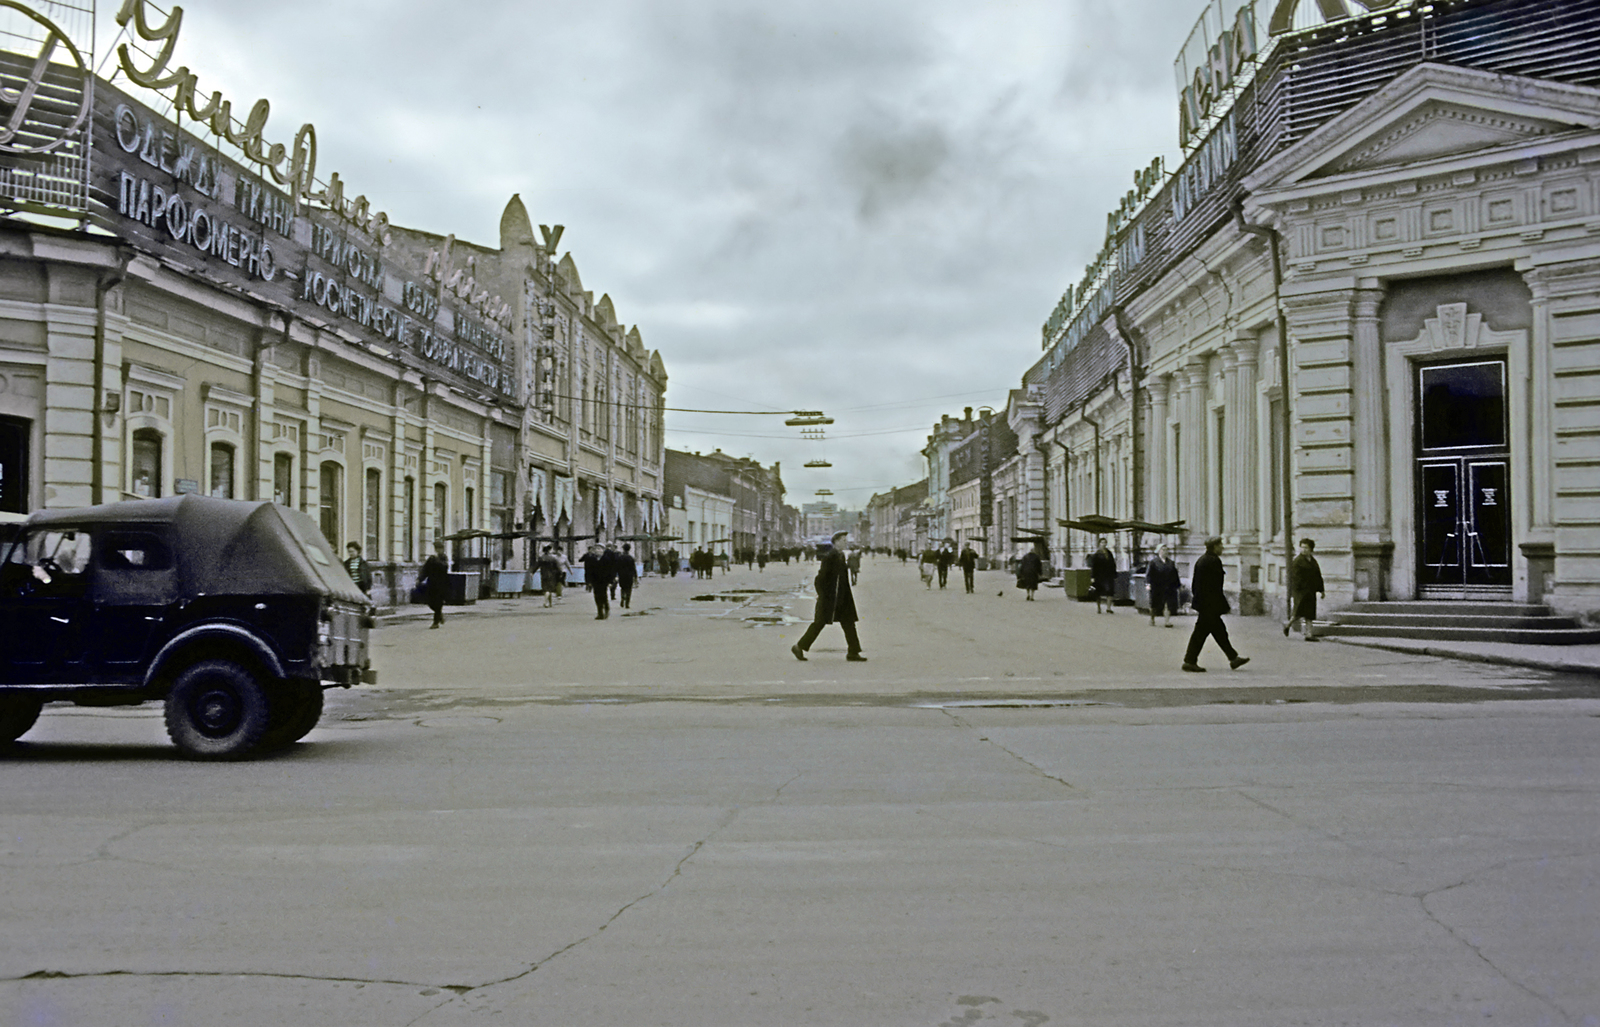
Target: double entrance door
{"type": "Point", "coordinates": [1462, 477]}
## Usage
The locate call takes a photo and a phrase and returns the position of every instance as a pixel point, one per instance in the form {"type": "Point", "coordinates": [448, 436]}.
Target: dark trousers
{"type": "Point", "coordinates": [627, 593]}
{"type": "Point", "coordinates": [1209, 625]}
{"type": "Point", "coordinates": [437, 606]}
{"type": "Point", "coordinates": [966, 573]}
{"type": "Point", "coordinates": [850, 640]}
{"type": "Point", "coordinates": [944, 575]}
{"type": "Point", "coordinates": [602, 603]}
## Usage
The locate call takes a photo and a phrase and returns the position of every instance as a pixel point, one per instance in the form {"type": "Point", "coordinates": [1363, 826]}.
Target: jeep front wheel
{"type": "Point", "coordinates": [217, 710]}
{"type": "Point", "coordinates": [17, 715]}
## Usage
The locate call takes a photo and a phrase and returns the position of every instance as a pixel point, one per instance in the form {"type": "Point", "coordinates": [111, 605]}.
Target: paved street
{"type": "Point", "coordinates": [1014, 814]}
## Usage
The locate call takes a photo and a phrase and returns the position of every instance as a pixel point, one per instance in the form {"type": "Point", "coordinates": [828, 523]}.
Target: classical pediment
{"type": "Point", "coordinates": [1432, 113]}
{"type": "Point", "coordinates": [1439, 129]}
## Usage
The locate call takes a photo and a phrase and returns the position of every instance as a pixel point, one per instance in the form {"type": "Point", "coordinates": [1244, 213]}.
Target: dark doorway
{"type": "Point", "coordinates": [14, 438]}
{"type": "Point", "coordinates": [1463, 470]}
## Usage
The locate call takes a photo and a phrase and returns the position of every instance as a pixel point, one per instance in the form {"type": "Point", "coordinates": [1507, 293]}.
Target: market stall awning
{"type": "Point", "coordinates": [1101, 524]}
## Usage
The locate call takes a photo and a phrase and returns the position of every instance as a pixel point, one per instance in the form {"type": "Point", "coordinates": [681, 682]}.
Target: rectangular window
{"type": "Point", "coordinates": [408, 520]}
{"type": "Point", "coordinates": [146, 470]}
{"type": "Point", "coordinates": [466, 508]}
{"type": "Point", "coordinates": [221, 470]}
{"type": "Point", "coordinates": [441, 497]}
{"type": "Point", "coordinates": [374, 518]}
{"type": "Point", "coordinates": [328, 503]}
{"type": "Point", "coordinates": [283, 479]}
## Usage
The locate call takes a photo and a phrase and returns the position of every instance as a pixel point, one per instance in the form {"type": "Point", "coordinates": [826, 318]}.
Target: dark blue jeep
{"type": "Point", "coordinates": [235, 614]}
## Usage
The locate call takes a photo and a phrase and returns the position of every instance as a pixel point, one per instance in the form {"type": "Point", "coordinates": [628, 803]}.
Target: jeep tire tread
{"type": "Point", "coordinates": [217, 710]}
{"type": "Point", "coordinates": [296, 708]}
{"type": "Point", "coordinates": [17, 716]}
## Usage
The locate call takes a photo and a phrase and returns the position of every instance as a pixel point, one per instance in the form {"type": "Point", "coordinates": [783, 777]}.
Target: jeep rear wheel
{"type": "Point", "coordinates": [217, 710]}
{"type": "Point", "coordinates": [17, 715]}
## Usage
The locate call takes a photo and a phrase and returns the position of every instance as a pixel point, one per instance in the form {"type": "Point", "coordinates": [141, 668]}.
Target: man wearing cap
{"type": "Point", "coordinates": [1210, 603]}
{"type": "Point", "coordinates": [835, 603]}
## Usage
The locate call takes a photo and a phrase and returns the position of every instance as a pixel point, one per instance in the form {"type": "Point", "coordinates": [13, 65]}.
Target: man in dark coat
{"type": "Point", "coordinates": [434, 582]}
{"type": "Point", "coordinates": [1305, 584]}
{"type": "Point", "coordinates": [1103, 578]}
{"type": "Point", "coordinates": [1210, 603]}
{"type": "Point", "coordinates": [969, 563]}
{"type": "Point", "coordinates": [835, 603]}
{"type": "Point", "coordinates": [627, 572]}
{"type": "Point", "coordinates": [1029, 570]}
{"type": "Point", "coordinates": [1161, 580]}
{"type": "Point", "coordinates": [599, 569]}
{"type": "Point", "coordinates": [947, 556]}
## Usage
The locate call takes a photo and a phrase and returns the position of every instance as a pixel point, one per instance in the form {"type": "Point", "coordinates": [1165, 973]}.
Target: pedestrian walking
{"type": "Point", "coordinates": [434, 581]}
{"type": "Point", "coordinates": [1161, 582]}
{"type": "Point", "coordinates": [549, 575]}
{"type": "Point", "coordinates": [1103, 578]}
{"type": "Point", "coordinates": [591, 562]}
{"type": "Point", "coordinates": [1305, 585]}
{"type": "Point", "coordinates": [836, 604]}
{"type": "Point", "coordinates": [1210, 603]}
{"type": "Point", "coordinates": [761, 560]}
{"type": "Point", "coordinates": [947, 556]}
{"type": "Point", "coordinates": [1029, 570]}
{"type": "Point", "coordinates": [927, 565]}
{"type": "Point", "coordinates": [854, 562]}
{"type": "Point", "coordinates": [969, 563]}
{"type": "Point", "coordinates": [627, 574]}
{"type": "Point", "coordinates": [599, 572]}
{"type": "Point", "coordinates": [360, 571]}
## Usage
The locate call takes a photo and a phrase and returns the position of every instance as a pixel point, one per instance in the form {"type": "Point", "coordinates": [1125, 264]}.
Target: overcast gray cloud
{"type": "Point", "coordinates": [863, 207]}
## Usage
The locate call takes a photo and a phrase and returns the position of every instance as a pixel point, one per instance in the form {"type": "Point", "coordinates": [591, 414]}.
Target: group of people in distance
{"type": "Point", "coordinates": [607, 569]}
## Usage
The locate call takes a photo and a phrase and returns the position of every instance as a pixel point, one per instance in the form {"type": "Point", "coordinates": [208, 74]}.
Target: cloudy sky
{"type": "Point", "coordinates": [864, 207]}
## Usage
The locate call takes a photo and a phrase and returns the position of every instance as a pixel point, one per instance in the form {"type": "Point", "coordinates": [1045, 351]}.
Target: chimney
{"type": "Point", "coordinates": [969, 413]}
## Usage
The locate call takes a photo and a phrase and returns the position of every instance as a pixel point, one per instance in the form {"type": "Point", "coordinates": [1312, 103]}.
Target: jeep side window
{"type": "Point", "coordinates": [134, 552]}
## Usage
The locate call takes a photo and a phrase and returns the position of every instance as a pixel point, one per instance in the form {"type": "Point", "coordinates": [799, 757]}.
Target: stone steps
{"type": "Point", "coordinates": [1506, 623]}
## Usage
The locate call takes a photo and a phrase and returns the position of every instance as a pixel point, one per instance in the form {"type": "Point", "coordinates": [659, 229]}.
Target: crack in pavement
{"type": "Point", "coordinates": [1031, 766]}
{"type": "Point", "coordinates": [66, 975]}
{"type": "Point", "coordinates": [727, 818]}
{"type": "Point", "coordinates": [1422, 901]}
{"type": "Point", "coordinates": [1323, 832]}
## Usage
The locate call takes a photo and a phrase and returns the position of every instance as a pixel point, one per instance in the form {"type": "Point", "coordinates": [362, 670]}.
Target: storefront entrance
{"type": "Point", "coordinates": [14, 433]}
{"type": "Point", "coordinates": [1463, 468]}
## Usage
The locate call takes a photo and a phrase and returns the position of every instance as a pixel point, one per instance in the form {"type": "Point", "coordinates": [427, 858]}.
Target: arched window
{"type": "Point", "coordinates": [332, 478]}
{"type": "Point", "coordinates": [145, 471]}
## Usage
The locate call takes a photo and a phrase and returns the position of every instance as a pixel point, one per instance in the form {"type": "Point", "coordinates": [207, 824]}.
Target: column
{"type": "Point", "coordinates": [1156, 448]}
{"type": "Point", "coordinates": [1242, 419]}
{"type": "Point", "coordinates": [1193, 445]}
{"type": "Point", "coordinates": [1370, 438]}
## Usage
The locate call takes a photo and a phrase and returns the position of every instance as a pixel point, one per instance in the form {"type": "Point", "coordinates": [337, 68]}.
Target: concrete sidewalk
{"type": "Point", "coordinates": [653, 590]}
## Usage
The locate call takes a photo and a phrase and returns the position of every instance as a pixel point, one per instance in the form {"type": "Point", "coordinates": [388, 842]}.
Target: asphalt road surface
{"type": "Point", "coordinates": [1014, 814]}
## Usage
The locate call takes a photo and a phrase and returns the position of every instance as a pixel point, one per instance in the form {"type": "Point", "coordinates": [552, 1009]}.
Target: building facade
{"type": "Point", "coordinates": [1362, 311]}
{"type": "Point", "coordinates": [228, 323]}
